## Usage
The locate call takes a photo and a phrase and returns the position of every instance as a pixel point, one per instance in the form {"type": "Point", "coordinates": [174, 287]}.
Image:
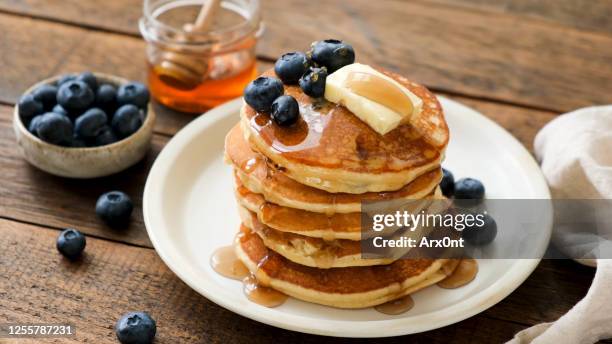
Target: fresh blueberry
{"type": "Point", "coordinates": [75, 96]}
{"type": "Point", "coordinates": [29, 107]}
{"type": "Point", "coordinates": [91, 123]}
{"type": "Point", "coordinates": [106, 98]}
{"type": "Point", "coordinates": [71, 243]}
{"type": "Point", "coordinates": [291, 66]}
{"type": "Point", "coordinates": [105, 137]}
{"type": "Point", "coordinates": [133, 93]}
{"type": "Point", "coordinates": [46, 94]}
{"type": "Point", "coordinates": [332, 53]}
{"type": "Point", "coordinates": [59, 109]}
{"type": "Point", "coordinates": [136, 328]}
{"type": "Point", "coordinates": [469, 188]}
{"type": "Point", "coordinates": [114, 208]}
{"type": "Point", "coordinates": [285, 110]}
{"type": "Point", "coordinates": [127, 120]}
{"type": "Point", "coordinates": [448, 183]}
{"type": "Point", "coordinates": [481, 235]}
{"type": "Point", "coordinates": [89, 79]}
{"type": "Point", "coordinates": [261, 92]}
{"type": "Point", "coordinates": [33, 126]}
{"type": "Point", "coordinates": [78, 142]}
{"type": "Point", "coordinates": [65, 78]}
{"type": "Point", "coordinates": [54, 128]}
{"type": "Point", "coordinates": [313, 82]}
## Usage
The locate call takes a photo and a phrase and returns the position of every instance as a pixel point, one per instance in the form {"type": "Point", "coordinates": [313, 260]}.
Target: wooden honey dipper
{"type": "Point", "coordinates": [182, 70]}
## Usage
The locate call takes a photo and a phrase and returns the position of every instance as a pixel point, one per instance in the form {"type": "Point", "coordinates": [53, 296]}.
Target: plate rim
{"type": "Point", "coordinates": [487, 297]}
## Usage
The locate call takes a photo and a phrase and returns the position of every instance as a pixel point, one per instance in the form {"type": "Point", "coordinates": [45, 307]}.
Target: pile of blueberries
{"type": "Point", "coordinates": [81, 111]}
{"type": "Point", "coordinates": [308, 70]}
{"type": "Point", "coordinates": [115, 209]}
{"type": "Point", "coordinates": [469, 193]}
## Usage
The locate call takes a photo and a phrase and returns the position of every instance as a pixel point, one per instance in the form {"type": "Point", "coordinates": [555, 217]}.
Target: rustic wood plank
{"type": "Point", "coordinates": [112, 278]}
{"type": "Point", "coordinates": [592, 15]}
{"type": "Point", "coordinates": [494, 56]}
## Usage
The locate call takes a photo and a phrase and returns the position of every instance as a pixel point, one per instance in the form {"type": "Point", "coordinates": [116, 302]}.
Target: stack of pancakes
{"type": "Point", "coordinates": [300, 190]}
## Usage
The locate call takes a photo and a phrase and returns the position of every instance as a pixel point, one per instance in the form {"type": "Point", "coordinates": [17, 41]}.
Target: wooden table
{"type": "Point", "coordinates": [520, 62]}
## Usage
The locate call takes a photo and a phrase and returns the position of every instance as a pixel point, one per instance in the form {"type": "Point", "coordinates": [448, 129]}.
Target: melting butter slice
{"type": "Point", "coordinates": [373, 97]}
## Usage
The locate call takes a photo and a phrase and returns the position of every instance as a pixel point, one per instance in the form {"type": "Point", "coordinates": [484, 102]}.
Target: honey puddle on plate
{"type": "Point", "coordinates": [397, 306]}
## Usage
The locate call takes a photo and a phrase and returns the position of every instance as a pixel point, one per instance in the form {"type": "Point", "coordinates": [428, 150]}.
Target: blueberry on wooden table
{"type": "Point", "coordinates": [481, 235]}
{"type": "Point", "coordinates": [91, 123]}
{"type": "Point", "coordinates": [285, 110]}
{"type": "Point", "coordinates": [447, 184]}
{"type": "Point", "coordinates": [291, 66]}
{"type": "Point", "coordinates": [127, 120]}
{"type": "Point", "coordinates": [134, 93]}
{"type": "Point", "coordinates": [136, 328]}
{"type": "Point", "coordinates": [89, 79]}
{"type": "Point", "coordinates": [261, 93]}
{"type": "Point", "coordinates": [332, 53]}
{"type": "Point", "coordinates": [29, 107]}
{"type": "Point", "coordinates": [71, 243]}
{"type": "Point", "coordinates": [313, 82]}
{"type": "Point", "coordinates": [75, 96]}
{"type": "Point", "coordinates": [46, 94]}
{"type": "Point", "coordinates": [114, 208]}
{"type": "Point", "coordinates": [54, 128]}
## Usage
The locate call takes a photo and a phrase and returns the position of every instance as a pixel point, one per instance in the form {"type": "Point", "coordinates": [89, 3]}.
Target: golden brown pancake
{"type": "Point", "coordinates": [331, 149]}
{"type": "Point", "coordinates": [348, 287]}
{"type": "Point", "coordinates": [308, 251]}
{"type": "Point", "coordinates": [260, 176]}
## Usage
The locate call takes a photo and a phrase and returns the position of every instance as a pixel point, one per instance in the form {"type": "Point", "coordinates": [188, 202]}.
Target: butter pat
{"type": "Point", "coordinates": [373, 97]}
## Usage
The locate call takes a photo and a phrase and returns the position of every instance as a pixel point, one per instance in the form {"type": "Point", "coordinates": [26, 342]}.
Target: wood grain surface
{"type": "Point", "coordinates": [519, 62]}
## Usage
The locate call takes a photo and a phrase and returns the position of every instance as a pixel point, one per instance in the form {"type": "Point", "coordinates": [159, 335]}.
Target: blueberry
{"type": "Point", "coordinates": [54, 128]}
{"type": "Point", "coordinates": [133, 93]}
{"type": "Point", "coordinates": [91, 123]}
{"type": "Point", "coordinates": [46, 94]}
{"type": "Point", "coordinates": [136, 328]}
{"type": "Point", "coordinates": [313, 82]}
{"type": "Point", "coordinates": [78, 142]}
{"type": "Point", "coordinates": [33, 126]}
{"type": "Point", "coordinates": [59, 109]}
{"type": "Point", "coordinates": [332, 53]}
{"type": "Point", "coordinates": [105, 137]}
{"type": "Point", "coordinates": [75, 96]}
{"type": "Point", "coordinates": [29, 107]}
{"type": "Point", "coordinates": [481, 235]}
{"type": "Point", "coordinates": [127, 120]}
{"type": "Point", "coordinates": [89, 79]}
{"type": "Point", "coordinates": [106, 97]}
{"type": "Point", "coordinates": [291, 66]}
{"type": "Point", "coordinates": [71, 243]}
{"type": "Point", "coordinates": [261, 92]}
{"type": "Point", "coordinates": [469, 188]}
{"type": "Point", "coordinates": [285, 110]}
{"type": "Point", "coordinates": [65, 78]}
{"type": "Point", "coordinates": [114, 208]}
{"type": "Point", "coordinates": [448, 183]}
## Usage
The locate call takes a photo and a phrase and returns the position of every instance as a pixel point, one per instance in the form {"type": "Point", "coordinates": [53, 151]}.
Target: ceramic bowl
{"type": "Point", "coordinates": [88, 162]}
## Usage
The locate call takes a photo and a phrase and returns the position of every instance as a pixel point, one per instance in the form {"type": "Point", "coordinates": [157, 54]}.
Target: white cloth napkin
{"type": "Point", "coordinates": [575, 151]}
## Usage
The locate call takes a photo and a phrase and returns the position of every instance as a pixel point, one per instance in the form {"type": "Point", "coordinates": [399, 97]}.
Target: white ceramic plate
{"type": "Point", "coordinates": [189, 211]}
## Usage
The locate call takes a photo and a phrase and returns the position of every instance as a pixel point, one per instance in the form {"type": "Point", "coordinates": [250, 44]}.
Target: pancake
{"type": "Point", "coordinates": [350, 287]}
{"type": "Point", "coordinates": [261, 177]}
{"type": "Point", "coordinates": [308, 251]}
{"type": "Point", "coordinates": [331, 149]}
{"type": "Point", "coordinates": [318, 225]}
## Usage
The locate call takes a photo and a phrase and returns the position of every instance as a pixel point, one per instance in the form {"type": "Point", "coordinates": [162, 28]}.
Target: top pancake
{"type": "Point", "coordinates": [331, 149]}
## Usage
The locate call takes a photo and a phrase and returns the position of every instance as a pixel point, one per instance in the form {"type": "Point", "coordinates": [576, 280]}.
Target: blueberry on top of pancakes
{"type": "Point", "coordinates": [285, 110]}
{"type": "Point", "coordinates": [332, 53]}
{"type": "Point", "coordinates": [261, 92]}
{"type": "Point", "coordinates": [291, 66]}
{"type": "Point", "coordinates": [313, 82]}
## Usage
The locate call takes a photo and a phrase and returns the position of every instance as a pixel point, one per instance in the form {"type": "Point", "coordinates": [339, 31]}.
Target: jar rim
{"type": "Point", "coordinates": [247, 9]}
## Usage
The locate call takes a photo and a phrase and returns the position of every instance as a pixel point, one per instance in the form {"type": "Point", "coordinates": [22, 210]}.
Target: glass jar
{"type": "Point", "coordinates": [193, 71]}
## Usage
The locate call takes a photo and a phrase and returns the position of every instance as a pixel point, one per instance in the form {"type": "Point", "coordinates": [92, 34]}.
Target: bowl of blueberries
{"type": "Point", "coordinates": [84, 125]}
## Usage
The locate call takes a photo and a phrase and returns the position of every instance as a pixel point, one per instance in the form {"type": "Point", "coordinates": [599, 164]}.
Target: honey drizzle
{"type": "Point", "coordinates": [397, 306]}
{"type": "Point", "coordinates": [262, 295]}
{"type": "Point", "coordinates": [464, 273]}
{"type": "Point", "coordinates": [225, 262]}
